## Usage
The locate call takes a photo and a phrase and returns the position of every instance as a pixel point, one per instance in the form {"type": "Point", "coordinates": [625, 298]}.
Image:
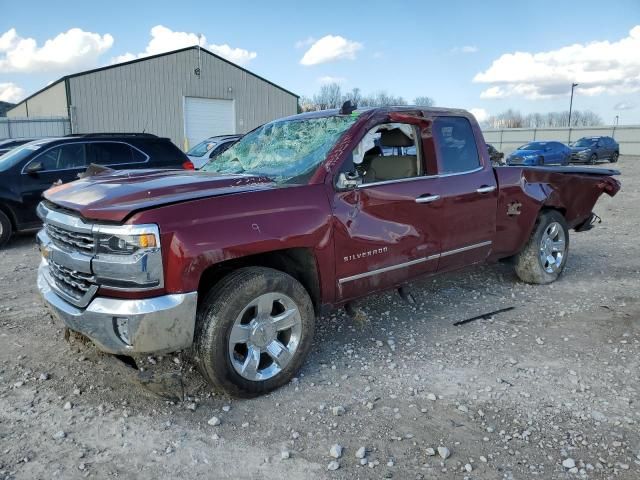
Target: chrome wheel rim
{"type": "Point", "coordinates": [265, 336]}
{"type": "Point", "coordinates": [553, 247]}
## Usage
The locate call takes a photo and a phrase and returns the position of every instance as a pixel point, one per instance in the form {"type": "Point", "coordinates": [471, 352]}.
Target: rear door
{"type": "Point", "coordinates": [468, 194]}
{"type": "Point", "coordinates": [601, 148]}
{"type": "Point", "coordinates": [555, 153]}
{"type": "Point", "coordinates": [60, 164]}
{"type": "Point", "coordinates": [611, 147]}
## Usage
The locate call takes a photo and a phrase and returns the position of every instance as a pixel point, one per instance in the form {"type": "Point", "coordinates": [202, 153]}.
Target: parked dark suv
{"type": "Point", "coordinates": [592, 149]}
{"type": "Point", "coordinates": [11, 143]}
{"type": "Point", "coordinates": [30, 169]}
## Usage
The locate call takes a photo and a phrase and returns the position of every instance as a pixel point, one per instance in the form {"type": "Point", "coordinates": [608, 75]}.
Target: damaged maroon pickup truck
{"type": "Point", "coordinates": [310, 212]}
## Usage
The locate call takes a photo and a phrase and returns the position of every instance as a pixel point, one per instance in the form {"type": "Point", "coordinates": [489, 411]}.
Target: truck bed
{"type": "Point", "coordinates": [525, 190]}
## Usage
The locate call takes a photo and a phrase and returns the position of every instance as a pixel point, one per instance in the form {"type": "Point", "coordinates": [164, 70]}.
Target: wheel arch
{"type": "Point", "coordinates": [298, 262]}
{"type": "Point", "coordinates": [8, 211]}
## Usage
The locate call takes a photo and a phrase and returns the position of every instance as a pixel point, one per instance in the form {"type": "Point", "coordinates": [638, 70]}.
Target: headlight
{"type": "Point", "coordinates": [122, 242]}
{"type": "Point", "coordinates": [128, 257]}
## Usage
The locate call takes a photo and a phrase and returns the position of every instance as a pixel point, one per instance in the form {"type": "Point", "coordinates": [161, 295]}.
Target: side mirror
{"type": "Point", "coordinates": [349, 181]}
{"type": "Point", "coordinates": [34, 167]}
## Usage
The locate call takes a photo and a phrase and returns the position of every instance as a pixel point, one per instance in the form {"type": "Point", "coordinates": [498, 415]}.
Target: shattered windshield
{"type": "Point", "coordinates": [287, 151]}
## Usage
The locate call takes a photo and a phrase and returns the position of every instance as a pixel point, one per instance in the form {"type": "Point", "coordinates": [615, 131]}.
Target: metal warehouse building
{"type": "Point", "coordinates": [186, 95]}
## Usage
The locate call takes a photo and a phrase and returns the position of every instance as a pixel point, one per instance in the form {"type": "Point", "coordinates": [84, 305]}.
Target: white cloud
{"type": "Point", "coordinates": [329, 79]}
{"type": "Point", "coordinates": [72, 49]}
{"type": "Point", "coordinates": [164, 39]}
{"type": "Point", "coordinates": [465, 49]}
{"type": "Point", "coordinates": [330, 48]}
{"type": "Point", "coordinates": [480, 113]}
{"type": "Point", "coordinates": [624, 106]}
{"type": "Point", "coordinates": [10, 92]}
{"type": "Point", "coordinates": [305, 43]}
{"type": "Point", "coordinates": [598, 67]}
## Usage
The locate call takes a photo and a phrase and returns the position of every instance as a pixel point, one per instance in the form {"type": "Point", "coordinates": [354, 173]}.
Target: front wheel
{"type": "Point", "coordinates": [253, 331]}
{"type": "Point", "coordinates": [593, 159]}
{"type": "Point", "coordinates": [544, 256]}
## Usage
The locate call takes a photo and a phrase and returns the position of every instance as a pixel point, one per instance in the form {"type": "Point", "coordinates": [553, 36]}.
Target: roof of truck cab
{"type": "Point", "coordinates": [373, 110]}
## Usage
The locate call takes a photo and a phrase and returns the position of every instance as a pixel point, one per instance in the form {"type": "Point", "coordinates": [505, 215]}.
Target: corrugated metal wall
{"type": "Point", "coordinates": [508, 139]}
{"type": "Point", "coordinates": [149, 95]}
{"type": "Point", "coordinates": [33, 127]}
{"type": "Point", "coordinates": [51, 102]}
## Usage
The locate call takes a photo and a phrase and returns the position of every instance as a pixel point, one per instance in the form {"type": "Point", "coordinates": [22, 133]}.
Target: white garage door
{"type": "Point", "coordinates": [206, 117]}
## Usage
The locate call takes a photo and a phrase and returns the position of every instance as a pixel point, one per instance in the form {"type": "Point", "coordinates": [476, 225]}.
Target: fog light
{"type": "Point", "coordinates": [121, 327]}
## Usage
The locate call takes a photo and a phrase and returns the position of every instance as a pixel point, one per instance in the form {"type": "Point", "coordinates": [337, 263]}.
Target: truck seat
{"type": "Point", "coordinates": [391, 168]}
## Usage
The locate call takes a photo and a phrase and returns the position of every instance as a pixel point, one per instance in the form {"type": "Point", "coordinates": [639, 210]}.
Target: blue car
{"type": "Point", "coordinates": [540, 153]}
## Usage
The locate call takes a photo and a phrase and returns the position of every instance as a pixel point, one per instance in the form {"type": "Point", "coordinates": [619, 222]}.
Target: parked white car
{"type": "Point", "coordinates": [209, 148]}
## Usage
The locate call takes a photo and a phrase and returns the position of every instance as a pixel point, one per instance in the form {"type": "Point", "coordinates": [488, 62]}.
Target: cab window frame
{"type": "Point", "coordinates": [417, 143]}
{"type": "Point", "coordinates": [442, 172]}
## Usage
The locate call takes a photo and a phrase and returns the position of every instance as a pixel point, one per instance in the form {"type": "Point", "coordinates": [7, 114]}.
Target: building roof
{"type": "Point", "coordinates": [142, 59]}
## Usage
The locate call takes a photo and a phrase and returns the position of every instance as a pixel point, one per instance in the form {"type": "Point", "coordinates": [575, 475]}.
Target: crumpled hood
{"type": "Point", "coordinates": [113, 196]}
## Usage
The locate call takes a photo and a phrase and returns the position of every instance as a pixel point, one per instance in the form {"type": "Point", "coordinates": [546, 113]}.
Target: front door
{"type": "Point", "coordinates": [386, 229]}
{"type": "Point", "coordinates": [60, 164]}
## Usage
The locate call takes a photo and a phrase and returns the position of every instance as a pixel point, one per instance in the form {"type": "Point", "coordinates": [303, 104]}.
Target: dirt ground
{"type": "Point", "coordinates": [555, 380]}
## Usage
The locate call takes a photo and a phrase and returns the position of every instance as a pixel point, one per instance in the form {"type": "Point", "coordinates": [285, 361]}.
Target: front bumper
{"type": "Point", "coordinates": [123, 327]}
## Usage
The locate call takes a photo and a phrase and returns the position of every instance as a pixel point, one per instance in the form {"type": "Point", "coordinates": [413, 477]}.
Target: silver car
{"type": "Point", "coordinates": [210, 148]}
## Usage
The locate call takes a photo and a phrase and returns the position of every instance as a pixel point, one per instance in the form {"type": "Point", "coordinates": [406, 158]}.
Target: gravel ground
{"type": "Point", "coordinates": [547, 390]}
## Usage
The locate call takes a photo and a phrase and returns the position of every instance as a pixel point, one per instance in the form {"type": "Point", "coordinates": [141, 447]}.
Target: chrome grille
{"type": "Point", "coordinates": [69, 239]}
{"type": "Point", "coordinates": [73, 283]}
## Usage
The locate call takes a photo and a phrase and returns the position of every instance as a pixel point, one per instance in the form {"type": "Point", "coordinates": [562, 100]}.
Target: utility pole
{"type": "Point", "coordinates": [573, 85]}
{"type": "Point", "coordinates": [615, 125]}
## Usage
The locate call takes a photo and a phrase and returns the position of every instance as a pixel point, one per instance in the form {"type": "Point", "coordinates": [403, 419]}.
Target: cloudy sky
{"type": "Point", "coordinates": [484, 56]}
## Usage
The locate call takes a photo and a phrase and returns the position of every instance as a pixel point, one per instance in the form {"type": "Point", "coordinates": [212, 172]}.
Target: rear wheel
{"type": "Point", "coordinates": [253, 331]}
{"type": "Point", "coordinates": [614, 157]}
{"type": "Point", "coordinates": [6, 229]}
{"type": "Point", "coordinates": [544, 256]}
{"type": "Point", "coordinates": [593, 159]}
{"type": "Point", "coordinates": [540, 161]}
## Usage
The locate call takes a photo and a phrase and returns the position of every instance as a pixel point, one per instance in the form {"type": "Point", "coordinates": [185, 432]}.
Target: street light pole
{"type": "Point", "coordinates": [615, 125]}
{"type": "Point", "coordinates": [573, 85]}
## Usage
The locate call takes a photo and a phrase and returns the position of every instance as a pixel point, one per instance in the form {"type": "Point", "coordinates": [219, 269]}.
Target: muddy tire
{"type": "Point", "coordinates": [6, 229]}
{"type": "Point", "coordinates": [253, 331]}
{"type": "Point", "coordinates": [544, 256]}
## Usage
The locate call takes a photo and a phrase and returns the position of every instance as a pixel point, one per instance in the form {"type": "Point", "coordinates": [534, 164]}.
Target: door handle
{"type": "Point", "coordinates": [427, 198]}
{"type": "Point", "coordinates": [486, 189]}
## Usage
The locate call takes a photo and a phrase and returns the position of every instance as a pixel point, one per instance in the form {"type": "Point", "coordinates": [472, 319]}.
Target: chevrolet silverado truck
{"type": "Point", "coordinates": [234, 263]}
